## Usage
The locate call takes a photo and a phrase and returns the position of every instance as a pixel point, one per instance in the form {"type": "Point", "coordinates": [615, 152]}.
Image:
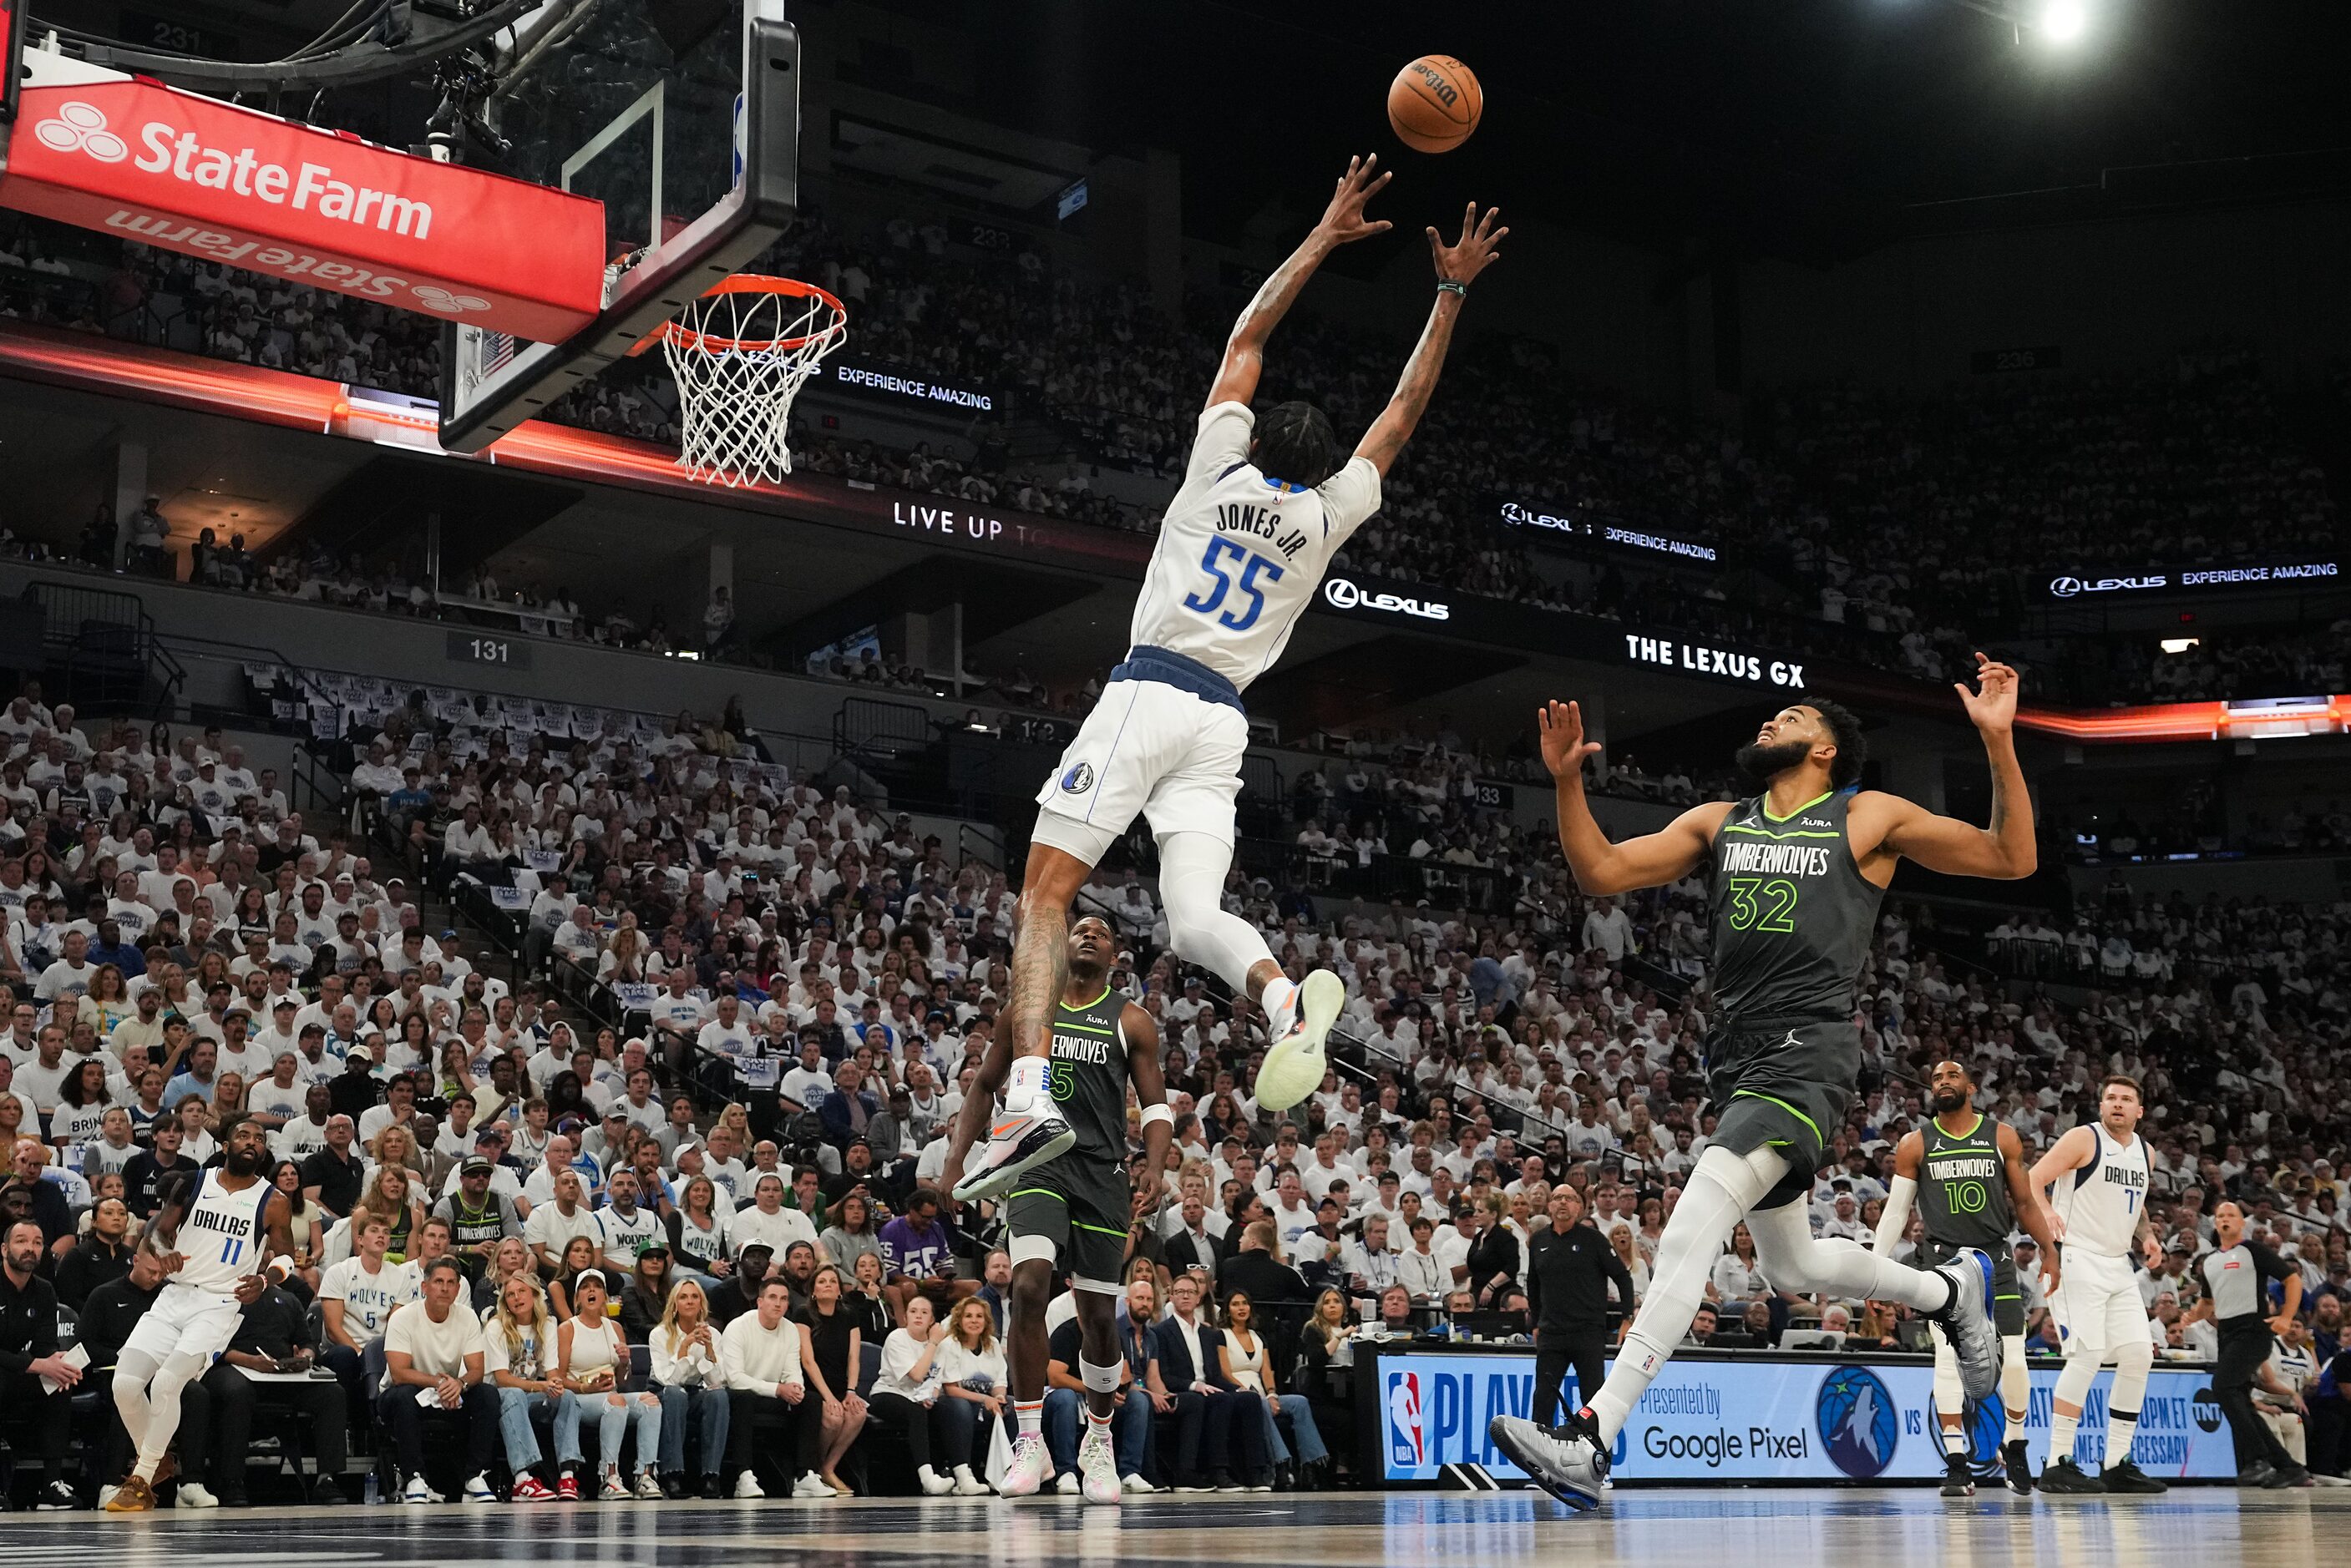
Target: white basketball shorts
{"type": "Point", "coordinates": [185, 1319]}
{"type": "Point", "coordinates": [2097, 1303]}
{"type": "Point", "coordinates": [1147, 747]}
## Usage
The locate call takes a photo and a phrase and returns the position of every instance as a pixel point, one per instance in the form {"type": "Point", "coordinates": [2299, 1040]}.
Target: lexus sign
{"type": "Point", "coordinates": [2075, 588]}
{"type": "Point", "coordinates": [1341, 594]}
{"type": "Point", "coordinates": [187, 173]}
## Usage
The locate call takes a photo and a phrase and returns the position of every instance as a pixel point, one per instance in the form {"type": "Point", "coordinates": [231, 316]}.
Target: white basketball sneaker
{"type": "Point", "coordinates": [1294, 1067]}
{"type": "Point", "coordinates": [1097, 1464]}
{"type": "Point", "coordinates": [1026, 1473]}
{"type": "Point", "coordinates": [1016, 1141]}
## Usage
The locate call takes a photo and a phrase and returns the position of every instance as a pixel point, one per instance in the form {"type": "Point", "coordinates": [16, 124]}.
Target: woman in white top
{"type": "Point", "coordinates": [519, 1340]}
{"type": "Point", "coordinates": [907, 1389]}
{"type": "Point", "coordinates": [690, 1369]}
{"type": "Point", "coordinates": [1249, 1368]}
{"type": "Point", "coordinates": [592, 1361]}
{"type": "Point", "coordinates": [972, 1361]}
{"type": "Point", "coordinates": [1738, 1277]}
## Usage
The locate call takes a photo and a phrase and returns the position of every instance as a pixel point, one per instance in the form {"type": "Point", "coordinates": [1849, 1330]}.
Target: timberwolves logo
{"type": "Point", "coordinates": [1079, 779]}
{"type": "Point", "coordinates": [1857, 1421]}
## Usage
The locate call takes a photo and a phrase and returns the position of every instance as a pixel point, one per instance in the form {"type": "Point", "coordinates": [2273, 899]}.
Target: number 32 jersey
{"type": "Point", "coordinates": [1240, 554]}
{"type": "Point", "coordinates": [1792, 913]}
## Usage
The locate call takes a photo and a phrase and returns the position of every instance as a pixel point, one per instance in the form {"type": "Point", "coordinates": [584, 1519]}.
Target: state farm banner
{"type": "Point", "coordinates": [186, 173]}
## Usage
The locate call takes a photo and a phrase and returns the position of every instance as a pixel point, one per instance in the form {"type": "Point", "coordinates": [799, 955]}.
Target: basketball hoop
{"type": "Point", "coordinates": [740, 354]}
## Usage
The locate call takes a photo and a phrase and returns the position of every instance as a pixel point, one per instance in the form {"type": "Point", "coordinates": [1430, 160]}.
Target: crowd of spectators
{"type": "Point", "coordinates": [713, 1084]}
{"type": "Point", "coordinates": [1893, 531]}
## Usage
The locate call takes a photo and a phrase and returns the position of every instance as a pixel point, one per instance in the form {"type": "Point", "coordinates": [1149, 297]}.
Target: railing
{"type": "Point", "coordinates": [1340, 875]}
{"type": "Point", "coordinates": [865, 726]}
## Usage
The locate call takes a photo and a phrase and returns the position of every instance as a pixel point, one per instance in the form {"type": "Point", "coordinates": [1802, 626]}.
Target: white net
{"type": "Point", "coordinates": [740, 354]}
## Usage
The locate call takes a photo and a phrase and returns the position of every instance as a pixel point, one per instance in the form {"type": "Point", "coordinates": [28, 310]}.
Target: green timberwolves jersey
{"type": "Point", "coordinates": [1088, 1076]}
{"type": "Point", "coordinates": [1792, 913]}
{"type": "Point", "coordinates": [1963, 1188]}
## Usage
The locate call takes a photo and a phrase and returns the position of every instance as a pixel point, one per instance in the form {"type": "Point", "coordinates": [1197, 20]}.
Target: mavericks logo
{"type": "Point", "coordinates": [1857, 1421]}
{"type": "Point", "coordinates": [1079, 779]}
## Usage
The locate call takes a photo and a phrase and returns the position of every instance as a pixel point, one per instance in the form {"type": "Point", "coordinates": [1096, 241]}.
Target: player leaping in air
{"type": "Point", "coordinates": [1797, 871]}
{"type": "Point", "coordinates": [1264, 504]}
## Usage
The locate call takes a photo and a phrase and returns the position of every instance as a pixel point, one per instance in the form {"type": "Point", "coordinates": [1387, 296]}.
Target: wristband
{"type": "Point", "coordinates": [1158, 1112]}
{"type": "Point", "coordinates": [278, 1268]}
{"type": "Point", "coordinates": [1447, 285]}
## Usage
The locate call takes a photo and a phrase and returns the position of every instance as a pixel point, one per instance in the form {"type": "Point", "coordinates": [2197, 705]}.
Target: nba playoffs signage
{"type": "Point", "coordinates": [186, 173]}
{"type": "Point", "coordinates": [2068, 586]}
{"type": "Point", "coordinates": [883, 382]}
{"type": "Point", "coordinates": [1570, 526]}
{"type": "Point", "coordinates": [1762, 1419]}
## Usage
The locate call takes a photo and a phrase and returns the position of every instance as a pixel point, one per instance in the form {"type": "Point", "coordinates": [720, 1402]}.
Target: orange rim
{"type": "Point", "coordinates": [755, 283]}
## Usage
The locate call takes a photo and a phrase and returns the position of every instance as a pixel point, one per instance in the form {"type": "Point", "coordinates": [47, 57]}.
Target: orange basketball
{"type": "Point", "coordinates": [1434, 104]}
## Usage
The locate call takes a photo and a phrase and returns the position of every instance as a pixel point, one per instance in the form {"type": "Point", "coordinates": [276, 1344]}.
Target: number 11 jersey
{"type": "Point", "coordinates": [1240, 553]}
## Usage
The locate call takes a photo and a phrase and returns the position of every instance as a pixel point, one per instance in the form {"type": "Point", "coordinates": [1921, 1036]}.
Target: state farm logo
{"type": "Point", "coordinates": [81, 128]}
{"type": "Point", "coordinates": [1344, 595]}
{"type": "Point", "coordinates": [433, 298]}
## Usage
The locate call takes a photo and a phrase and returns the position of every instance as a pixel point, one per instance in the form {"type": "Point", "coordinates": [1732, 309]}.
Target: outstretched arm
{"type": "Point", "coordinates": [1599, 867]}
{"type": "Point", "coordinates": [1456, 265]}
{"type": "Point", "coordinates": [1341, 222]}
{"type": "Point", "coordinates": [2031, 1203]}
{"type": "Point", "coordinates": [2005, 849]}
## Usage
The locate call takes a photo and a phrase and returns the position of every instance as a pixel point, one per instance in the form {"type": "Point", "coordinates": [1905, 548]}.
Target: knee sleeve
{"type": "Point", "coordinates": [2074, 1382]}
{"type": "Point", "coordinates": [2132, 1363]}
{"type": "Point", "coordinates": [1192, 867]}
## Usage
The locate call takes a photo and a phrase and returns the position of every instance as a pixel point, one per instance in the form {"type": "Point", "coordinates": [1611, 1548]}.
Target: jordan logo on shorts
{"type": "Point", "coordinates": [1079, 779]}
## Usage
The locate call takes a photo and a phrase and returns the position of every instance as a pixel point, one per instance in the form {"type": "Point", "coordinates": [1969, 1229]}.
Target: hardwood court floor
{"type": "Point", "coordinates": [2203, 1527]}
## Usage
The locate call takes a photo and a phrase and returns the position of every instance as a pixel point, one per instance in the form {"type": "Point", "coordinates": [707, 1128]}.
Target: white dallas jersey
{"type": "Point", "coordinates": [222, 1237]}
{"type": "Point", "coordinates": [2106, 1199]}
{"type": "Point", "coordinates": [1240, 555]}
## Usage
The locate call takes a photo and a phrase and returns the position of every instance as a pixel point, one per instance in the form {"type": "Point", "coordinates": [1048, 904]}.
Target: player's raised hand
{"type": "Point", "coordinates": [1991, 707]}
{"type": "Point", "coordinates": [1560, 726]}
{"type": "Point", "coordinates": [1473, 253]}
{"type": "Point", "coordinates": [1343, 220]}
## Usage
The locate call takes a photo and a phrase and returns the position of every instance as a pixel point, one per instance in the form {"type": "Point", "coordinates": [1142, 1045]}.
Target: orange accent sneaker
{"type": "Point", "coordinates": [133, 1496]}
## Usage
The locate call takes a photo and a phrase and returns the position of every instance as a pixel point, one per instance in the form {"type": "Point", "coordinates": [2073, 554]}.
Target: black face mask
{"type": "Point", "coordinates": [1760, 764]}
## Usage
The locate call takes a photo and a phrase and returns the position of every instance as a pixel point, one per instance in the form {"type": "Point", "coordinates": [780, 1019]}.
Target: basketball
{"type": "Point", "coordinates": [1434, 104]}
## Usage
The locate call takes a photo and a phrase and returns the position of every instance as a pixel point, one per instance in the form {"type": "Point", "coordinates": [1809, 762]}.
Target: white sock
{"type": "Point", "coordinates": [2061, 1435]}
{"type": "Point", "coordinates": [1279, 1001]}
{"type": "Point", "coordinates": [2120, 1430]}
{"type": "Point", "coordinates": [1026, 1084]}
{"type": "Point", "coordinates": [1029, 1417]}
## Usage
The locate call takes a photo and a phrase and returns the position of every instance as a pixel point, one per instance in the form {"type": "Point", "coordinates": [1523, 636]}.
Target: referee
{"type": "Point", "coordinates": [2236, 1274]}
{"type": "Point", "coordinates": [1569, 1269]}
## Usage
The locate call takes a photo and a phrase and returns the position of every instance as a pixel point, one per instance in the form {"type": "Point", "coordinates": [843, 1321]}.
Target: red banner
{"type": "Point", "coordinates": [265, 195]}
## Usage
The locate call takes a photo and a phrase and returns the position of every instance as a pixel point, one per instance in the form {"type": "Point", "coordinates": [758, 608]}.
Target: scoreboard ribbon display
{"type": "Point", "coordinates": [1752, 1419]}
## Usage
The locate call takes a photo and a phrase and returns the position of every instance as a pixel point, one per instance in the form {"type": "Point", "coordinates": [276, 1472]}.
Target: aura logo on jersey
{"type": "Point", "coordinates": [1344, 595]}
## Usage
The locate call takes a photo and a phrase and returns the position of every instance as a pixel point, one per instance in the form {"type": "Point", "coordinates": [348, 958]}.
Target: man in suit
{"type": "Point", "coordinates": [1187, 1382]}
{"type": "Point", "coordinates": [1192, 1249]}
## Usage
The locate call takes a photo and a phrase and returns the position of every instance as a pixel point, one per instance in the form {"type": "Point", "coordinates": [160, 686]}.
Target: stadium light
{"type": "Point", "coordinates": [2178, 644]}
{"type": "Point", "coordinates": [2063, 21]}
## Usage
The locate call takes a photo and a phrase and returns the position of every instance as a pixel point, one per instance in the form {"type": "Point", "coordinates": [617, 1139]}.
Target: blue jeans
{"type": "Point", "coordinates": [612, 1423]}
{"type": "Point", "coordinates": [1130, 1428]}
{"type": "Point", "coordinates": [707, 1411]}
{"type": "Point", "coordinates": [1310, 1450]}
{"type": "Point", "coordinates": [516, 1407]}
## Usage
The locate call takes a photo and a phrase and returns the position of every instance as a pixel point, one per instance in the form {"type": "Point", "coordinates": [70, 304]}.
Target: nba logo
{"type": "Point", "coordinates": [1407, 1445]}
